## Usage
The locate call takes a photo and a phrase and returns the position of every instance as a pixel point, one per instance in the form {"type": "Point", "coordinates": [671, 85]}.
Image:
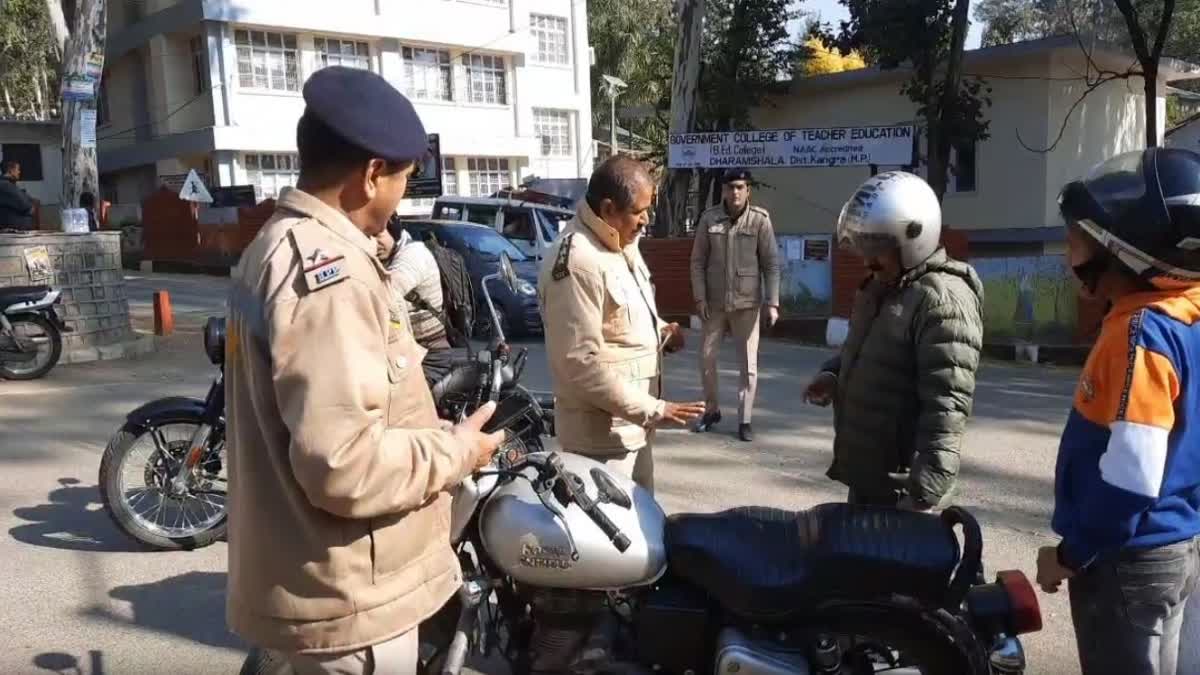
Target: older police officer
{"type": "Point", "coordinates": [339, 468]}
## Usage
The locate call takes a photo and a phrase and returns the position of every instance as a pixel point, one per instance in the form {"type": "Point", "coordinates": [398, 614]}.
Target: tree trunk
{"type": "Point", "coordinates": [672, 215]}
{"type": "Point", "coordinates": [58, 24]}
{"type": "Point", "coordinates": [940, 143]}
{"type": "Point", "coordinates": [1150, 86]}
{"type": "Point", "coordinates": [79, 173]}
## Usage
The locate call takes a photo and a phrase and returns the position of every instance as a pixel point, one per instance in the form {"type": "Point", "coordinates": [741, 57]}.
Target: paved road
{"type": "Point", "coordinates": [80, 598]}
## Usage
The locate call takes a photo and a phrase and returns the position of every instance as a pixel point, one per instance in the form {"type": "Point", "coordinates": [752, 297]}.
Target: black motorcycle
{"type": "Point", "coordinates": [30, 331]}
{"type": "Point", "coordinates": [163, 477]}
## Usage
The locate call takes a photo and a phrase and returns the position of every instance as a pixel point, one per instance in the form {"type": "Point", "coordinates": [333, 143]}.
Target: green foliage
{"type": "Point", "coordinates": [919, 34]}
{"type": "Point", "coordinates": [747, 56]}
{"type": "Point", "coordinates": [1008, 21]}
{"type": "Point", "coordinates": [28, 62]}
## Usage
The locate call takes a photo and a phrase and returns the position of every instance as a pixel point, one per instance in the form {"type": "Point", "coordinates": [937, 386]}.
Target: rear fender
{"type": "Point", "coordinates": [166, 410]}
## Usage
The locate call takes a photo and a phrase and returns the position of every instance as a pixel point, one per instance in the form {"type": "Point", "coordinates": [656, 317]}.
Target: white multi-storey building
{"type": "Point", "coordinates": [215, 85]}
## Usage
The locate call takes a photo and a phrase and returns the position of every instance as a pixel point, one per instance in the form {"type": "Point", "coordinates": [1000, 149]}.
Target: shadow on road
{"type": "Point", "coordinates": [156, 606]}
{"type": "Point", "coordinates": [73, 520]}
{"type": "Point", "coordinates": [59, 662]}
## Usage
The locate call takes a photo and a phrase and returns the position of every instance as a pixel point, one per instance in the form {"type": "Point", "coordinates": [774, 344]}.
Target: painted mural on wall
{"type": "Point", "coordinates": [1030, 298]}
{"type": "Point", "coordinates": [805, 274]}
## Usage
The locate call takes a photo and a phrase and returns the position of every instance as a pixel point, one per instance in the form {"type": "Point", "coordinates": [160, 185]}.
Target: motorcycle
{"type": "Point", "coordinates": [569, 567]}
{"type": "Point", "coordinates": [163, 479]}
{"type": "Point", "coordinates": [30, 331]}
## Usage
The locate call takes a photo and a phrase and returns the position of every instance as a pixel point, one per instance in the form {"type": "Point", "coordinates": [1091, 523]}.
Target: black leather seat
{"type": "Point", "coordinates": [761, 563]}
{"type": "Point", "coordinates": [15, 295]}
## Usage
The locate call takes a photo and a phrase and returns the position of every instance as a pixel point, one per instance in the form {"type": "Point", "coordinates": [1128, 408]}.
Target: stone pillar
{"type": "Point", "coordinates": [87, 269]}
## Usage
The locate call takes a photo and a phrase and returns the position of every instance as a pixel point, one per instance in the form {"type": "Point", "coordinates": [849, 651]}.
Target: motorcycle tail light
{"type": "Point", "coordinates": [1024, 612]}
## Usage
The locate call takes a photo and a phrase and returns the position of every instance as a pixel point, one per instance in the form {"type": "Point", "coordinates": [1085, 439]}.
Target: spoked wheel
{"type": "Point", "coordinates": [135, 486]}
{"type": "Point", "coordinates": [32, 349]}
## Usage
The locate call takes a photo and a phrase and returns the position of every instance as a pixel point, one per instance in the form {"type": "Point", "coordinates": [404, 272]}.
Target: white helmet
{"type": "Point", "coordinates": [893, 210]}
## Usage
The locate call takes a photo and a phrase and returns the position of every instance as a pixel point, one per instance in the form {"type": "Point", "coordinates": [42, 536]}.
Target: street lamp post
{"type": "Point", "coordinates": [613, 86]}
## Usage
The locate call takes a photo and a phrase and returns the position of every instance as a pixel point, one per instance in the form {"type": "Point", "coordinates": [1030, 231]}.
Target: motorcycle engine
{"type": "Point", "coordinates": [574, 632]}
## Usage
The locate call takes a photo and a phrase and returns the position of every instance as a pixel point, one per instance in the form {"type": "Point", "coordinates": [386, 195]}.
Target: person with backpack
{"type": "Point", "coordinates": [429, 278]}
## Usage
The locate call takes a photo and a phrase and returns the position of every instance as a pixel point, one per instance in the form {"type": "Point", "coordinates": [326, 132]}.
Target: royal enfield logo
{"type": "Point", "coordinates": [545, 557]}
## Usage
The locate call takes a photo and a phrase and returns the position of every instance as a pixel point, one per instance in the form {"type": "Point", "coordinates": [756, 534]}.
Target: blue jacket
{"type": "Point", "coordinates": [1128, 473]}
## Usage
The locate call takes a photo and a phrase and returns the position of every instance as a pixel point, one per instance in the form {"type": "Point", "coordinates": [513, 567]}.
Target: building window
{"type": "Point", "coordinates": [270, 173]}
{"type": "Point", "coordinates": [963, 163]}
{"type": "Point", "coordinates": [551, 34]}
{"type": "Point", "coordinates": [267, 60]}
{"type": "Point", "coordinates": [28, 155]}
{"type": "Point", "coordinates": [487, 175]}
{"type": "Point", "coordinates": [449, 177]}
{"type": "Point", "coordinates": [199, 64]}
{"type": "Point", "coordinates": [349, 53]}
{"type": "Point", "coordinates": [553, 128]}
{"type": "Point", "coordinates": [485, 79]}
{"type": "Point", "coordinates": [427, 74]}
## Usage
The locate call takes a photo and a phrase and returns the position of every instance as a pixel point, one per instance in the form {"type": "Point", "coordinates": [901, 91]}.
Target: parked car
{"type": "Point", "coordinates": [480, 247]}
{"type": "Point", "coordinates": [531, 226]}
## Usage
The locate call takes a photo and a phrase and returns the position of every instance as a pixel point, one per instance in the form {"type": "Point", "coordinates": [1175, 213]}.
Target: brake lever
{"type": "Point", "coordinates": [545, 492]}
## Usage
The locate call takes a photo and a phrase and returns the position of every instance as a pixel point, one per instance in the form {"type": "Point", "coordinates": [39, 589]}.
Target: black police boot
{"type": "Point", "coordinates": [746, 433]}
{"type": "Point", "coordinates": [706, 423]}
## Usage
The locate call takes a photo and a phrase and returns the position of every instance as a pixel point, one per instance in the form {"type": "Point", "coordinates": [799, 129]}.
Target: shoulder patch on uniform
{"type": "Point", "coordinates": [321, 266]}
{"type": "Point", "coordinates": [759, 209]}
{"type": "Point", "coordinates": [562, 269]}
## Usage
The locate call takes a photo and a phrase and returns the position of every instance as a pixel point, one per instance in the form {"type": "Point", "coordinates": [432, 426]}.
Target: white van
{"type": "Point", "coordinates": [531, 226]}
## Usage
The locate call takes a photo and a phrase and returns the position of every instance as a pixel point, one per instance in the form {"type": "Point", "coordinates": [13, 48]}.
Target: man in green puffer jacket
{"type": "Point", "coordinates": [902, 385]}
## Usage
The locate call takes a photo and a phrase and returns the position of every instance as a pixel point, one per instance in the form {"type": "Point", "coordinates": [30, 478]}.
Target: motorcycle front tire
{"type": "Point", "coordinates": [118, 510]}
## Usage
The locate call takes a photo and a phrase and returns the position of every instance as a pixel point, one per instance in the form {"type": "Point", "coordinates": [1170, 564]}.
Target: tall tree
{"type": "Point", "coordinates": [633, 40]}
{"type": "Point", "coordinates": [749, 58]}
{"type": "Point", "coordinates": [927, 36]}
{"type": "Point", "coordinates": [88, 33]}
{"type": "Point", "coordinates": [28, 60]}
{"type": "Point", "coordinates": [822, 60]}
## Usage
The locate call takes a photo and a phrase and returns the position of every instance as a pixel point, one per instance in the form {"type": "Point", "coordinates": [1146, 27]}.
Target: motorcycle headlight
{"type": "Point", "coordinates": [526, 288]}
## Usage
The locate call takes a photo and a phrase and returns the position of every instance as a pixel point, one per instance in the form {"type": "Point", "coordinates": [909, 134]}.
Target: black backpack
{"type": "Point", "coordinates": [458, 297]}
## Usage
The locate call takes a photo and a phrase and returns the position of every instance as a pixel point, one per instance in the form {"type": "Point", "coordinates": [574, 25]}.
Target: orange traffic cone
{"type": "Point", "coordinates": [164, 318]}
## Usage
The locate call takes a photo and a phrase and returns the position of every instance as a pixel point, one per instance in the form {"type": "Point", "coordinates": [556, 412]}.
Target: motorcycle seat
{"type": "Point", "coordinates": [15, 295]}
{"type": "Point", "coordinates": [762, 564]}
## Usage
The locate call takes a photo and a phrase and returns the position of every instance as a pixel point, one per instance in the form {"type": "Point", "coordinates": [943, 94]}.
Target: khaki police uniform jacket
{"type": "Point", "coordinates": [602, 339]}
{"type": "Point", "coordinates": [735, 263]}
{"type": "Point", "coordinates": [338, 465]}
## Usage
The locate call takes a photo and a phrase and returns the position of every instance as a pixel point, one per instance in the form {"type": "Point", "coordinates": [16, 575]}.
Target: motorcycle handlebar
{"type": "Point", "coordinates": [610, 530]}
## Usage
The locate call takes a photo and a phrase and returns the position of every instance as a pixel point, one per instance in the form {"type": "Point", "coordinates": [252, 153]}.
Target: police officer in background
{"type": "Point", "coordinates": [735, 271]}
{"type": "Point", "coordinates": [603, 335]}
{"type": "Point", "coordinates": [339, 468]}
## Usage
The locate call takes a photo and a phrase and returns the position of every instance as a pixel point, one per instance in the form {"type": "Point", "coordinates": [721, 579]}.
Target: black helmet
{"type": "Point", "coordinates": [1143, 207]}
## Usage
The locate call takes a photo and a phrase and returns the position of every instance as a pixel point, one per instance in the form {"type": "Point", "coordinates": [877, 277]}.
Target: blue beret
{"type": "Point", "coordinates": [364, 109]}
{"type": "Point", "coordinates": [731, 175]}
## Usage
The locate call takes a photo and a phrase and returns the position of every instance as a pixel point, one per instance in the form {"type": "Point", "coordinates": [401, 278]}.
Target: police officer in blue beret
{"type": "Point", "coordinates": [340, 470]}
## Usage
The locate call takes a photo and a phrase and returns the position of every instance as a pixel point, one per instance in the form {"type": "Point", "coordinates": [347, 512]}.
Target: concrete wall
{"type": "Point", "coordinates": [1028, 298]}
{"type": "Point", "coordinates": [1109, 121]}
{"type": "Point", "coordinates": [87, 269]}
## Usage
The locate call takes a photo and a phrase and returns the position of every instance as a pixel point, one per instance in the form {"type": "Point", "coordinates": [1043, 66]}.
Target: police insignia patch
{"type": "Point", "coordinates": [561, 269]}
{"type": "Point", "coordinates": [324, 273]}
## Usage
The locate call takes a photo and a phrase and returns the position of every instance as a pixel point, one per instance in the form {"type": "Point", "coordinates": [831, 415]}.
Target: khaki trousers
{"type": "Point", "coordinates": [636, 464]}
{"type": "Point", "coordinates": [744, 325]}
{"type": "Point", "coordinates": [397, 656]}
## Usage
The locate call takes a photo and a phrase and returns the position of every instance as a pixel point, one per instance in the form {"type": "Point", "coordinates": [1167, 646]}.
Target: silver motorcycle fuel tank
{"type": "Point", "coordinates": [528, 542]}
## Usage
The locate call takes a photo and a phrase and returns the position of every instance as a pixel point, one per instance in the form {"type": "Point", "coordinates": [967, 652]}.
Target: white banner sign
{"type": "Point", "coordinates": [792, 148]}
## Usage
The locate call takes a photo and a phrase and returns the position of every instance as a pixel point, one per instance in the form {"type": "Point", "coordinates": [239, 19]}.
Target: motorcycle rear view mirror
{"type": "Point", "coordinates": [507, 274]}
